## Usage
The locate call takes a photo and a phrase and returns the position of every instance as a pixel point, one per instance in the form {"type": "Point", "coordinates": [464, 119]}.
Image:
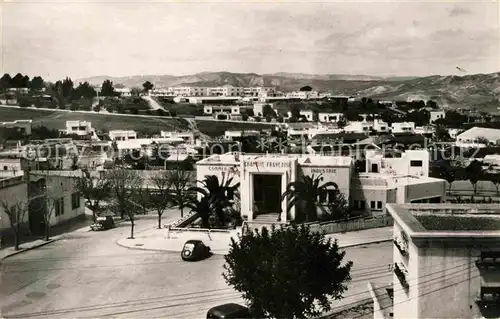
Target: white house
{"type": "Point", "coordinates": [330, 117]}
{"type": "Point", "coordinates": [80, 128]}
{"type": "Point", "coordinates": [123, 91]}
{"type": "Point", "coordinates": [411, 162]}
{"type": "Point", "coordinates": [22, 126]}
{"type": "Point", "coordinates": [258, 108]}
{"type": "Point", "coordinates": [403, 127]}
{"type": "Point", "coordinates": [436, 115]}
{"type": "Point", "coordinates": [478, 137]}
{"type": "Point", "coordinates": [358, 127]}
{"type": "Point", "coordinates": [229, 135]}
{"type": "Point", "coordinates": [187, 136]}
{"type": "Point", "coordinates": [122, 135]}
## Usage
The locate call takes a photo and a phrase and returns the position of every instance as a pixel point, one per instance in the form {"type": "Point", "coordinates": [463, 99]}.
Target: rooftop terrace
{"type": "Point", "coordinates": [448, 220]}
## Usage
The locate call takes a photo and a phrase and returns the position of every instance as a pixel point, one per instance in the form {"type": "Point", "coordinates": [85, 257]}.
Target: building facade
{"type": "Point", "coordinates": [446, 262]}
{"type": "Point", "coordinates": [264, 178]}
{"type": "Point", "coordinates": [122, 135]}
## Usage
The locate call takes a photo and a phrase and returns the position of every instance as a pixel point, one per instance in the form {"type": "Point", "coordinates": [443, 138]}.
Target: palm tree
{"type": "Point", "coordinates": [306, 192]}
{"type": "Point", "coordinates": [203, 207]}
{"type": "Point", "coordinates": [218, 193]}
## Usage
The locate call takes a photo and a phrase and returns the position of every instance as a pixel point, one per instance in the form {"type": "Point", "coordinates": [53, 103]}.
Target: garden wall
{"type": "Point", "coordinates": [351, 225]}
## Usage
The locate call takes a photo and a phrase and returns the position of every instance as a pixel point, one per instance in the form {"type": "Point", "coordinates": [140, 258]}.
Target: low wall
{"type": "Point", "coordinates": [351, 225]}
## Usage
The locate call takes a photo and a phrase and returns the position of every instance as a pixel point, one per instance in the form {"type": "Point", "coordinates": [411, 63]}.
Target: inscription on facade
{"type": "Point", "coordinates": [219, 168]}
{"type": "Point", "coordinates": [267, 164]}
{"type": "Point", "coordinates": [323, 170]}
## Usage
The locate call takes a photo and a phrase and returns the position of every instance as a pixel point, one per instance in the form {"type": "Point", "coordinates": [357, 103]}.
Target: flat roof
{"type": "Point", "coordinates": [448, 220]}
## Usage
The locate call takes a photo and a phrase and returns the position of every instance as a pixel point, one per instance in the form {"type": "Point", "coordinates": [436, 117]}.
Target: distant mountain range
{"type": "Point", "coordinates": [479, 90]}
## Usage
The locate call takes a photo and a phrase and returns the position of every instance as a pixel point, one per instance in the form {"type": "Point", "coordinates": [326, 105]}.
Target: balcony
{"type": "Point", "coordinates": [489, 260]}
{"type": "Point", "coordinates": [401, 274]}
{"type": "Point", "coordinates": [401, 247]}
{"type": "Point", "coordinates": [488, 301]}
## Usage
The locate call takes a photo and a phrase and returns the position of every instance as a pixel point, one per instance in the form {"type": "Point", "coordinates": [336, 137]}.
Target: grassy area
{"type": "Point", "coordinates": [458, 223]}
{"type": "Point", "coordinates": [104, 122]}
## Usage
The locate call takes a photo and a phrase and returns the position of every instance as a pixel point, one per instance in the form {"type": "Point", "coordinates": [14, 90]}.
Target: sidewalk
{"type": "Point", "coordinates": [10, 251]}
{"type": "Point", "coordinates": [162, 240]}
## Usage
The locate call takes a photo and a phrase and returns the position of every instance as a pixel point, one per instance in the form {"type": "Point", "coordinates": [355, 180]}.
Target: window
{"type": "Point", "coordinates": [372, 205]}
{"type": "Point", "coordinates": [416, 163]}
{"type": "Point", "coordinates": [75, 200]}
{"type": "Point", "coordinates": [59, 206]}
{"type": "Point", "coordinates": [374, 168]}
{"type": "Point", "coordinates": [379, 205]}
{"type": "Point", "coordinates": [5, 168]}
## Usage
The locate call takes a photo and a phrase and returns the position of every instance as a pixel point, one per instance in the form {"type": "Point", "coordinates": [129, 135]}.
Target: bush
{"type": "Point", "coordinates": [269, 119]}
{"type": "Point", "coordinates": [244, 117]}
{"type": "Point", "coordinates": [298, 272]}
{"type": "Point", "coordinates": [257, 119]}
{"type": "Point", "coordinates": [160, 112]}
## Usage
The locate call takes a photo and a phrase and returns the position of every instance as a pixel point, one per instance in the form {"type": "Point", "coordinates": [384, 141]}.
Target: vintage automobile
{"type": "Point", "coordinates": [103, 223]}
{"type": "Point", "coordinates": [195, 250]}
{"type": "Point", "coordinates": [228, 311]}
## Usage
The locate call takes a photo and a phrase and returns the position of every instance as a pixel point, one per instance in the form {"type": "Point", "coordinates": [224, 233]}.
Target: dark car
{"type": "Point", "coordinates": [103, 223]}
{"type": "Point", "coordinates": [195, 250]}
{"type": "Point", "coordinates": [229, 311]}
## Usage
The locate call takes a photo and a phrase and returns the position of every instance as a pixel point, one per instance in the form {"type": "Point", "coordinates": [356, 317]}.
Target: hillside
{"type": "Point", "coordinates": [479, 90]}
{"type": "Point", "coordinates": [56, 119]}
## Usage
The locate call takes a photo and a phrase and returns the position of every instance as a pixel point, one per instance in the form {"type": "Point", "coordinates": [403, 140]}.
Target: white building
{"type": "Point", "coordinates": [411, 162]}
{"type": "Point", "coordinates": [403, 127]}
{"type": "Point", "coordinates": [425, 130]}
{"type": "Point", "coordinates": [478, 137]}
{"type": "Point", "coordinates": [359, 127]}
{"type": "Point", "coordinates": [330, 117]}
{"type": "Point", "coordinates": [446, 263]}
{"type": "Point", "coordinates": [80, 128]}
{"type": "Point", "coordinates": [228, 109]}
{"type": "Point", "coordinates": [300, 130]}
{"type": "Point", "coordinates": [188, 136]}
{"type": "Point", "coordinates": [258, 108]}
{"type": "Point", "coordinates": [22, 126]}
{"type": "Point", "coordinates": [122, 135]}
{"type": "Point", "coordinates": [124, 92]}
{"type": "Point", "coordinates": [263, 178]}
{"type": "Point", "coordinates": [380, 126]}
{"type": "Point", "coordinates": [303, 95]}
{"type": "Point", "coordinates": [436, 115]}
{"type": "Point", "coordinates": [230, 135]}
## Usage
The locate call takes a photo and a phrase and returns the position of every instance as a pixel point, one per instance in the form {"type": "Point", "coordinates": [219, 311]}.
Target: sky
{"type": "Point", "coordinates": [118, 38]}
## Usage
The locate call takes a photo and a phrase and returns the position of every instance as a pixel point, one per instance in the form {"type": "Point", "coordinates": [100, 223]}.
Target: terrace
{"type": "Point", "coordinates": [448, 221]}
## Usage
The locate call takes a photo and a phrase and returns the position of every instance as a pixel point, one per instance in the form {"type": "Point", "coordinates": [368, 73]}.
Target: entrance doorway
{"type": "Point", "coordinates": [267, 193]}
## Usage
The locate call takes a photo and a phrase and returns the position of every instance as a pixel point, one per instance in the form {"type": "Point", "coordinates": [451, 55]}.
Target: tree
{"type": "Point", "coordinates": [179, 181]}
{"type": "Point", "coordinates": [452, 170]}
{"type": "Point", "coordinates": [135, 91]}
{"type": "Point", "coordinates": [160, 197]}
{"type": "Point", "coordinates": [267, 110]}
{"type": "Point", "coordinates": [148, 86]}
{"type": "Point", "coordinates": [5, 81]}
{"type": "Point", "coordinates": [94, 190]}
{"type": "Point", "coordinates": [18, 81]}
{"type": "Point", "coordinates": [52, 203]}
{"type": "Point", "coordinates": [495, 179]}
{"type": "Point", "coordinates": [67, 88]}
{"type": "Point", "coordinates": [287, 272]}
{"type": "Point", "coordinates": [337, 207]}
{"type": "Point", "coordinates": [474, 172]}
{"type": "Point", "coordinates": [269, 119]}
{"type": "Point", "coordinates": [203, 207]}
{"type": "Point", "coordinates": [219, 193]}
{"type": "Point", "coordinates": [107, 88]}
{"type": "Point", "coordinates": [84, 90]}
{"type": "Point", "coordinates": [306, 88]}
{"type": "Point", "coordinates": [15, 209]}
{"type": "Point", "coordinates": [124, 185]}
{"type": "Point", "coordinates": [244, 117]}
{"type": "Point", "coordinates": [37, 83]}
{"type": "Point", "coordinates": [305, 193]}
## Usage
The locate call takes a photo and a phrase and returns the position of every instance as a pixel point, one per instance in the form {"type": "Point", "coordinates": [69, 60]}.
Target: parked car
{"type": "Point", "coordinates": [195, 250]}
{"type": "Point", "coordinates": [228, 311]}
{"type": "Point", "coordinates": [103, 223]}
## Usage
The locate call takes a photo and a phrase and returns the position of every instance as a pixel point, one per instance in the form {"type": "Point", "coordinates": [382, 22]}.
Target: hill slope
{"type": "Point", "coordinates": [479, 90]}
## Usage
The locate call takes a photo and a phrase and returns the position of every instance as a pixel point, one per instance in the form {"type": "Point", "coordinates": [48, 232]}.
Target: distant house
{"type": "Point", "coordinates": [478, 137]}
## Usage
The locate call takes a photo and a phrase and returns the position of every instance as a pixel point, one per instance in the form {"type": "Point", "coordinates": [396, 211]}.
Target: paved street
{"type": "Point", "coordinates": [87, 275]}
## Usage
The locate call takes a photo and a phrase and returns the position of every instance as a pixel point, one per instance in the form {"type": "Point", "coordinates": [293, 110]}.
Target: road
{"type": "Point", "coordinates": [86, 275]}
{"type": "Point", "coordinates": [152, 102]}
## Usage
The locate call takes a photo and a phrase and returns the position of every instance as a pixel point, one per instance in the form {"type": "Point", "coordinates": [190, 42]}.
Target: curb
{"type": "Point", "coordinates": [214, 252]}
{"type": "Point", "coordinates": [339, 310]}
{"type": "Point", "coordinates": [30, 248]}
